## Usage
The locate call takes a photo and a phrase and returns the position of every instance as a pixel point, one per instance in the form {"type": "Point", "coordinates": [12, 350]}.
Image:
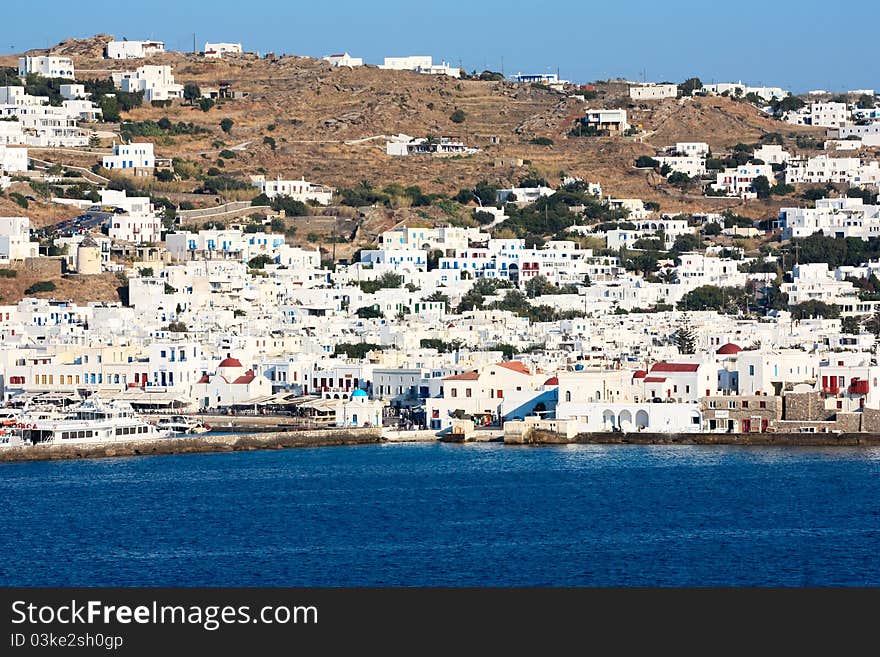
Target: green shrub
{"type": "Point", "coordinates": [41, 286]}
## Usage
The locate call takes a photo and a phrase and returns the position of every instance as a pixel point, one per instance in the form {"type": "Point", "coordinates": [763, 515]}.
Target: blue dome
{"type": "Point", "coordinates": [578, 367]}
{"type": "Point", "coordinates": [358, 393]}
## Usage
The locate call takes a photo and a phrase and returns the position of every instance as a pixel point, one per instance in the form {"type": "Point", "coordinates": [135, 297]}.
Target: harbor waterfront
{"type": "Point", "coordinates": [440, 514]}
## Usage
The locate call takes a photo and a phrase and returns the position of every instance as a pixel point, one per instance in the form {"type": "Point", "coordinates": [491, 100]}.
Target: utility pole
{"type": "Point", "coordinates": [194, 43]}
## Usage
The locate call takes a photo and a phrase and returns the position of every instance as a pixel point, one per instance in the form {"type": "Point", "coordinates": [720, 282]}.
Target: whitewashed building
{"type": "Point", "coordinates": [13, 160]}
{"type": "Point", "coordinates": [156, 82]}
{"type": "Point", "coordinates": [420, 64]}
{"type": "Point", "coordinates": [772, 154]}
{"type": "Point", "coordinates": [827, 115]}
{"type": "Point", "coordinates": [344, 59]}
{"type": "Point", "coordinates": [138, 221]}
{"type": "Point", "coordinates": [833, 217]}
{"type": "Point", "coordinates": [133, 49]}
{"type": "Point", "coordinates": [693, 166]}
{"type": "Point", "coordinates": [298, 190]}
{"type": "Point", "coordinates": [15, 239]}
{"type": "Point", "coordinates": [612, 121]}
{"type": "Point", "coordinates": [48, 67]}
{"type": "Point", "coordinates": [137, 159]}
{"type": "Point", "coordinates": [217, 50]}
{"type": "Point", "coordinates": [740, 180]}
{"type": "Point", "coordinates": [653, 91]}
{"type": "Point", "coordinates": [824, 169]}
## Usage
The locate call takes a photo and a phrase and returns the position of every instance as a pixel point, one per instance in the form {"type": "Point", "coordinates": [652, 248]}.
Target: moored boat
{"type": "Point", "coordinates": [90, 422]}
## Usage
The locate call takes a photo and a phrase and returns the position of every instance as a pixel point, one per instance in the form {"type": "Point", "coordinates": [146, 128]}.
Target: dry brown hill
{"type": "Point", "coordinates": [322, 120]}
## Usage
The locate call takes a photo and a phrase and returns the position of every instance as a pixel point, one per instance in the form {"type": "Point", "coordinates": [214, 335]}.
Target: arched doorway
{"type": "Point", "coordinates": [608, 419]}
{"type": "Point", "coordinates": [642, 419]}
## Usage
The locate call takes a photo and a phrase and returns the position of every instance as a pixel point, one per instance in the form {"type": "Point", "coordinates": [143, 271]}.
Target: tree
{"type": "Point", "coordinates": [872, 324]}
{"type": "Point", "coordinates": [191, 92]}
{"type": "Point", "coordinates": [668, 276]}
{"type": "Point", "coordinates": [260, 261]}
{"type": "Point", "coordinates": [685, 338]}
{"type": "Point", "coordinates": [689, 86]}
{"type": "Point", "coordinates": [850, 325]}
{"type": "Point", "coordinates": [813, 308]}
{"type": "Point", "coordinates": [707, 297]}
{"type": "Point", "coordinates": [226, 125]}
{"type": "Point", "coordinates": [539, 286]}
{"type": "Point", "coordinates": [487, 193]}
{"type": "Point", "coordinates": [270, 142]}
{"type": "Point", "coordinates": [646, 162]}
{"type": "Point", "coordinates": [205, 104]}
{"type": "Point", "coordinates": [687, 242]}
{"type": "Point", "coordinates": [761, 186]}
{"type": "Point", "coordinates": [458, 116]}
{"type": "Point", "coordinates": [369, 312]}
{"type": "Point", "coordinates": [712, 228]}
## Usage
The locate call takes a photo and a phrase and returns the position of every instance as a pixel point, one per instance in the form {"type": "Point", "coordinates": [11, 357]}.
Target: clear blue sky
{"type": "Point", "coordinates": [800, 45]}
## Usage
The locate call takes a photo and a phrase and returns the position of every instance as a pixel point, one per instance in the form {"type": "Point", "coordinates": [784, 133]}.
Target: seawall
{"type": "Point", "coordinates": [195, 444]}
{"type": "Point", "coordinates": [539, 437]}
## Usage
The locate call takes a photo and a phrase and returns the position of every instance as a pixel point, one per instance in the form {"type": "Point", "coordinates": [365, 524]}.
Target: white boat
{"type": "Point", "coordinates": [90, 422]}
{"type": "Point", "coordinates": [180, 424]}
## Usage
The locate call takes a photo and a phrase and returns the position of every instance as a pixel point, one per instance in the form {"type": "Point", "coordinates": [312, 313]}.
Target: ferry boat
{"type": "Point", "coordinates": [90, 422]}
{"type": "Point", "coordinates": [180, 424]}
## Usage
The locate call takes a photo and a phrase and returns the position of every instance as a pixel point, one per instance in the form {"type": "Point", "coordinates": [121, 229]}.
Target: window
{"type": "Point", "coordinates": [763, 404]}
{"type": "Point", "coordinates": [751, 370]}
{"type": "Point", "coordinates": [731, 404]}
{"type": "Point", "coordinates": [467, 392]}
{"type": "Point", "coordinates": [453, 392]}
{"type": "Point", "coordinates": [745, 403]}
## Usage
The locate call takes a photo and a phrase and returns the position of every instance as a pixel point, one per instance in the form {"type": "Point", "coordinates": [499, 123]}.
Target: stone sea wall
{"type": "Point", "coordinates": [195, 444]}
{"type": "Point", "coordinates": [850, 439]}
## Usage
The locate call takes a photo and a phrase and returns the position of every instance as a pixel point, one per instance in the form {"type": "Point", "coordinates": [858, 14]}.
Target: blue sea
{"type": "Point", "coordinates": [439, 514]}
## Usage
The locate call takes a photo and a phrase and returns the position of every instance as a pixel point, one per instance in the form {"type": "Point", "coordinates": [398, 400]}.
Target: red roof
{"type": "Point", "coordinates": [516, 366]}
{"type": "Point", "coordinates": [655, 379]}
{"type": "Point", "coordinates": [663, 366]}
{"type": "Point", "coordinates": [552, 381]}
{"type": "Point", "coordinates": [245, 378]}
{"type": "Point", "coordinates": [467, 376]}
{"type": "Point", "coordinates": [205, 379]}
{"type": "Point", "coordinates": [728, 349]}
{"type": "Point", "coordinates": [230, 362]}
{"type": "Point", "coordinates": [640, 374]}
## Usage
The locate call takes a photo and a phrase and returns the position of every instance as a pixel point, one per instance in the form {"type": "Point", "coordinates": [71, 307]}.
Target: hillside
{"type": "Point", "coordinates": [328, 125]}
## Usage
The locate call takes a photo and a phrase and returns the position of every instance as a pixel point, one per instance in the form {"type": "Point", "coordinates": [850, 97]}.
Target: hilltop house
{"type": "Point", "coordinates": [298, 190]}
{"type": "Point", "coordinates": [443, 146]}
{"type": "Point", "coordinates": [133, 49]}
{"type": "Point", "coordinates": [217, 50]}
{"type": "Point", "coordinates": [420, 64]}
{"type": "Point", "coordinates": [344, 59]}
{"type": "Point", "coordinates": [606, 121]}
{"type": "Point", "coordinates": [653, 91]}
